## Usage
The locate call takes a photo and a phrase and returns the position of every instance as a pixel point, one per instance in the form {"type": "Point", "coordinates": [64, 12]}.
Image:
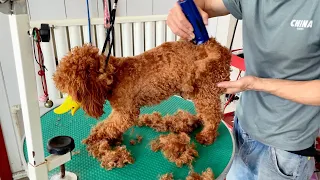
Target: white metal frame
{"type": "Point", "coordinates": [99, 21]}
{"type": "Point", "coordinates": [39, 165]}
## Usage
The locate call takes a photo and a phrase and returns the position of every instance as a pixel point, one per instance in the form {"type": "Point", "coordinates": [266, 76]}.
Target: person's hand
{"type": "Point", "coordinates": [243, 84]}
{"type": "Point", "coordinates": [179, 24]}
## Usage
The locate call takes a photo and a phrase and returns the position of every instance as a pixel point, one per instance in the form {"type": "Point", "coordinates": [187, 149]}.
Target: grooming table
{"type": "Point", "coordinates": [148, 165]}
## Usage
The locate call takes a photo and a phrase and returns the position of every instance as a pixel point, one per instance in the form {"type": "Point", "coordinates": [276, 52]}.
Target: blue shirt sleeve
{"type": "Point", "coordinates": [234, 7]}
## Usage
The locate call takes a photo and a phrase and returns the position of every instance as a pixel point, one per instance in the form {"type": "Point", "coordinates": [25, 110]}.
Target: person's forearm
{"type": "Point", "coordinates": [213, 8]}
{"type": "Point", "coordinates": [304, 92]}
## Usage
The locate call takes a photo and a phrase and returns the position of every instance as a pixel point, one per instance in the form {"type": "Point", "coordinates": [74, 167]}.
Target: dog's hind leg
{"type": "Point", "coordinates": [208, 107]}
{"type": "Point", "coordinates": [209, 72]}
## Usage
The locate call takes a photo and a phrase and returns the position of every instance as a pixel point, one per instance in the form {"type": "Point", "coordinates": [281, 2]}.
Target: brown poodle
{"type": "Point", "coordinates": [129, 83]}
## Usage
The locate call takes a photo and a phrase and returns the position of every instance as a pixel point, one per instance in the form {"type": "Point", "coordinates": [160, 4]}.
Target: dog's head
{"type": "Point", "coordinates": [83, 75]}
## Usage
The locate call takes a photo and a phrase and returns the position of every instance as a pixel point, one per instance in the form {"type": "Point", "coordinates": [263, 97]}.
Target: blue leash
{"type": "Point", "coordinates": [89, 21]}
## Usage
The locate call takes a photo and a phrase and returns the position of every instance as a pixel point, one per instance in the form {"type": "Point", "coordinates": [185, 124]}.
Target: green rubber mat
{"type": "Point", "coordinates": [148, 165]}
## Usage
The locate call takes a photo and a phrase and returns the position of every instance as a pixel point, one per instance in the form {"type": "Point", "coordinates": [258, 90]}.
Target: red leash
{"type": "Point", "coordinates": [40, 62]}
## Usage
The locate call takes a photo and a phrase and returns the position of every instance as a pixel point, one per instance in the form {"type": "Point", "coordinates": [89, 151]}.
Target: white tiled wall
{"type": "Point", "coordinates": [75, 9]}
{"type": "Point", "coordinates": [162, 6]}
{"type": "Point", "coordinates": [140, 7]}
{"type": "Point", "coordinates": [48, 9]}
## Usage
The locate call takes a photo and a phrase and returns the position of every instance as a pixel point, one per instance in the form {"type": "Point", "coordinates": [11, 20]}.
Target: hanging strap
{"type": "Point", "coordinates": [89, 21]}
{"type": "Point", "coordinates": [111, 29]}
{"type": "Point", "coordinates": [39, 59]}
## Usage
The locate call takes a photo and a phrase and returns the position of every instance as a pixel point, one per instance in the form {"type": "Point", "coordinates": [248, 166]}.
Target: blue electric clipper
{"type": "Point", "coordinates": [191, 12]}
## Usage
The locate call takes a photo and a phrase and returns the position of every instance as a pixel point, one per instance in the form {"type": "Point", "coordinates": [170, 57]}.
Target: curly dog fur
{"type": "Point", "coordinates": [205, 175]}
{"type": "Point", "coordinates": [129, 83]}
{"type": "Point", "coordinates": [181, 121]}
{"type": "Point", "coordinates": [176, 148]}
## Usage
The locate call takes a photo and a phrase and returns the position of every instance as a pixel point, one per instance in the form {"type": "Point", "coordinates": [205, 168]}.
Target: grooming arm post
{"type": "Point", "coordinates": [38, 165]}
{"type": "Point", "coordinates": [24, 61]}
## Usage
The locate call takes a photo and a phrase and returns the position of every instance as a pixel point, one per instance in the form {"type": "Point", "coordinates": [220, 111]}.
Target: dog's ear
{"type": "Point", "coordinates": [92, 97]}
{"type": "Point", "coordinates": [78, 75]}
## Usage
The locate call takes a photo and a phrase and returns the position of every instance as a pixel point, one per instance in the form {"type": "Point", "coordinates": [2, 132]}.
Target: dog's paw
{"type": "Point", "coordinates": [206, 138]}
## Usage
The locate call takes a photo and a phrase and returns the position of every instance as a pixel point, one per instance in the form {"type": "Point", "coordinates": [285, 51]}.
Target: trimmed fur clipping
{"type": "Point", "coordinates": [108, 151]}
{"type": "Point", "coordinates": [139, 139]}
{"type": "Point", "coordinates": [110, 157]}
{"type": "Point", "coordinates": [181, 121]}
{"type": "Point", "coordinates": [205, 175]}
{"type": "Point", "coordinates": [176, 148]}
{"type": "Point", "coordinates": [167, 176]}
{"type": "Point", "coordinates": [118, 157]}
